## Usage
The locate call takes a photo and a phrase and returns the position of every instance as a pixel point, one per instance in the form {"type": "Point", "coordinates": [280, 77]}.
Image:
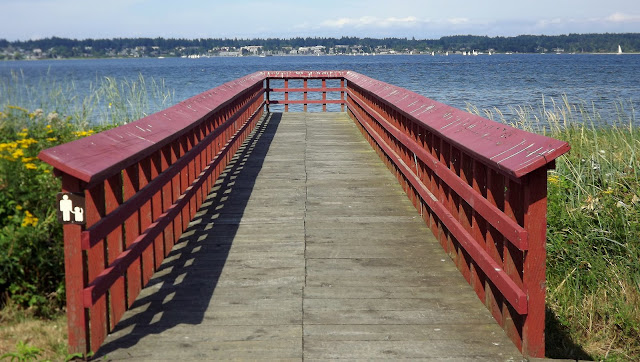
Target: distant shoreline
{"type": "Point", "coordinates": [54, 47]}
{"type": "Point", "coordinates": [297, 55]}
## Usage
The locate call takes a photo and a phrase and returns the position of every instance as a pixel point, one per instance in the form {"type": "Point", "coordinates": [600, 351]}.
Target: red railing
{"type": "Point", "coordinates": [142, 183]}
{"type": "Point", "coordinates": [305, 76]}
{"type": "Point", "coordinates": [479, 185]}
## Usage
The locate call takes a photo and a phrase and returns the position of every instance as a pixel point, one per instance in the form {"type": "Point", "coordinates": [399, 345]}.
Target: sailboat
{"type": "Point", "coordinates": [619, 49]}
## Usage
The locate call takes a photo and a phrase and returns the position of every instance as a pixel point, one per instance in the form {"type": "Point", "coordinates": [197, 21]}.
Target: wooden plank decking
{"type": "Point", "coordinates": [307, 248]}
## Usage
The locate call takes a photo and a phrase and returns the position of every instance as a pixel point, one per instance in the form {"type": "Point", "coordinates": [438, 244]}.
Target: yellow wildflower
{"type": "Point", "coordinates": [608, 191]}
{"type": "Point", "coordinates": [52, 139]}
{"type": "Point", "coordinates": [553, 179]}
{"type": "Point", "coordinates": [83, 133]}
{"type": "Point", "coordinates": [18, 207]}
{"type": "Point", "coordinates": [28, 159]}
{"type": "Point", "coordinates": [17, 153]}
{"type": "Point", "coordinates": [29, 219]}
{"type": "Point", "coordinates": [22, 134]}
{"type": "Point", "coordinates": [31, 166]}
{"type": "Point", "coordinates": [25, 142]}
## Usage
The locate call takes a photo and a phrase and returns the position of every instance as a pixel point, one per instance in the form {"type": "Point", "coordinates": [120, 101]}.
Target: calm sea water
{"type": "Point", "coordinates": [484, 81]}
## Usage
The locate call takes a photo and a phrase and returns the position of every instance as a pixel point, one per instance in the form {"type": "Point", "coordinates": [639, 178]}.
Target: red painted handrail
{"type": "Point", "coordinates": [143, 183]}
{"type": "Point", "coordinates": [479, 185]}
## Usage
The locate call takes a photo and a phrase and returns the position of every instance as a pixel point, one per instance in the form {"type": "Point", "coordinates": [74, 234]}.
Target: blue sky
{"type": "Point", "coordinates": [32, 19]}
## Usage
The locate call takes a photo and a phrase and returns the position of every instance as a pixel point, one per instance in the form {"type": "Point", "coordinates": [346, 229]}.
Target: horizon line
{"type": "Point", "coordinates": [413, 38]}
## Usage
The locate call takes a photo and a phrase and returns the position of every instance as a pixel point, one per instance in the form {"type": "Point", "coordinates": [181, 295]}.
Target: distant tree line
{"type": "Point", "coordinates": [591, 43]}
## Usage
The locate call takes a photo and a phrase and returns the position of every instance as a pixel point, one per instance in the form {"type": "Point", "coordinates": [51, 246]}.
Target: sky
{"type": "Point", "coordinates": [422, 19]}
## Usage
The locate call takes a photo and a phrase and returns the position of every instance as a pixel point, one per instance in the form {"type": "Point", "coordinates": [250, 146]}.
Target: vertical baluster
{"type": "Point", "coordinates": [324, 95]}
{"type": "Point", "coordinates": [184, 182]}
{"type": "Point", "coordinates": [513, 261]}
{"type": "Point", "coordinates": [193, 164]}
{"type": "Point", "coordinates": [98, 319]}
{"type": "Point", "coordinates": [167, 199]}
{"type": "Point", "coordinates": [176, 186]}
{"type": "Point", "coordinates": [132, 230]}
{"type": "Point", "coordinates": [144, 169]}
{"type": "Point", "coordinates": [479, 226]}
{"type": "Point", "coordinates": [156, 211]}
{"type": "Point", "coordinates": [286, 95]}
{"type": "Point", "coordinates": [304, 85]}
{"type": "Point", "coordinates": [342, 101]}
{"type": "Point", "coordinates": [496, 195]}
{"type": "Point", "coordinates": [115, 244]}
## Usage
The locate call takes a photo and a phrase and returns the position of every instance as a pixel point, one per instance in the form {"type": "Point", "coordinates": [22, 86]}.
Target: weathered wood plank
{"type": "Point", "coordinates": [306, 246]}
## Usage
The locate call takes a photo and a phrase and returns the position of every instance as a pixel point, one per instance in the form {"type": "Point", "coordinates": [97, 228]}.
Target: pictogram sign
{"type": "Point", "coordinates": [71, 208]}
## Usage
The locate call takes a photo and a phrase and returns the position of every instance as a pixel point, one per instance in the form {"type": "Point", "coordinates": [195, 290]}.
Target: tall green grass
{"type": "Point", "coordinates": [107, 100]}
{"type": "Point", "coordinates": [593, 238]}
{"type": "Point", "coordinates": [32, 118]}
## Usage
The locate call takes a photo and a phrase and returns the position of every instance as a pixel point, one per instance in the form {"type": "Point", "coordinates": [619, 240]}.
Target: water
{"type": "Point", "coordinates": [501, 81]}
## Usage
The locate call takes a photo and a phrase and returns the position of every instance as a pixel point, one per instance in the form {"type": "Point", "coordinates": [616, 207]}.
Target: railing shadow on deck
{"type": "Point", "coordinates": [180, 292]}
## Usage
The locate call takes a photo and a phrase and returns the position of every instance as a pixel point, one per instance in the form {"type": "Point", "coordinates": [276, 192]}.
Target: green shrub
{"type": "Point", "coordinates": [32, 255]}
{"type": "Point", "coordinates": [31, 264]}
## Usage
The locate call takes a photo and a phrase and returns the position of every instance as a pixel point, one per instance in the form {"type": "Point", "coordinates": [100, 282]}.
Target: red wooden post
{"type": "Point", "coordinates": [286, 95]}
{"type": "Point", "coordinates": [132, 230]}
{"type": "Point", "coordinates": [304, 82]}
{"type": "Point", "coordinates": [535, 201]}
{"type": "Point", "coordinates": [94, 211]}
{"type": "Point", "coordinates": [156, 210]}
{"type": "Point", "coordinates": [167, 199]}
{"type": "Point", "coordinates": [324, 95]}
{"type": "Point", "coordinates": [267, 93]}
{"type": "Point", "coordinates": [74, 277]}
{"type": "Point", "coordinates": [144, 169]}
{"type": "Point", "coordinates": [117, 300]}
{"type": "Point", "coordinates": [342, 100]}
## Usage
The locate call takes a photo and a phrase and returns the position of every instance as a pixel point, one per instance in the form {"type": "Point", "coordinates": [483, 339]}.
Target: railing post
{"type": "Point", "coordinates": [305, 93]}
{"type": "Point", "coordinates": [98, 319]}
{"type": "Point", "coordinates": [342, 100]}
{"type": "Point", "coordinates": [535, 202]}
{"type": "Point", "coordinates": [267, 93]}
{"type": "Point", "coordinates": [286, 95]}
{"type": "Point", "coordinates": [324, 95]}
{"type": "Point", "coordinates": [75, 278]}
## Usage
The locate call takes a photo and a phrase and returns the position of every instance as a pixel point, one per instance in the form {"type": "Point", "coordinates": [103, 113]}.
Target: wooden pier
{"type": "Point", "coordinates": [307, 248]}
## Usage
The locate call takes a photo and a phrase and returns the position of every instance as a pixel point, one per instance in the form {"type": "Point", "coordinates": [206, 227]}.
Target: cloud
{"type": "Point", "coordinates": [458, 21]}
{"type": "Point", "coordinates": [370, 21]}
{"type": "Point", "coordinates": [622, 18]}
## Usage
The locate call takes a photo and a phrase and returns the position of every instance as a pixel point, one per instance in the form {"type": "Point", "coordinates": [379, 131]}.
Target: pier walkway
{"type": "Point", "coordinates": [307, 248]}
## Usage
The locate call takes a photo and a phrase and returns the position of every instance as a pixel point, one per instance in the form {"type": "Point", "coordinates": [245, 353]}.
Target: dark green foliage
{"type": "Point", "coordinates": [589, 43]}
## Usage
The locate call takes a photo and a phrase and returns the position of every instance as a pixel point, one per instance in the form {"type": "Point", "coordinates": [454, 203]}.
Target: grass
{"type": "Point", "coordinates": [593, 237]}
{"type": "Point", "coordinates": [106, 100]}
{"type": "Point", "coordinates": [22, 334]}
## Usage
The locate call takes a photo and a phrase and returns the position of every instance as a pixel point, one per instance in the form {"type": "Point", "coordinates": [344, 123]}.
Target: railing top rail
{"type": "Point", "coordinates": [97, 157]}
{"type": "Point", "coordinates": [510, 150]}
{"type": "Point", "coordinates": [305, 74]}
